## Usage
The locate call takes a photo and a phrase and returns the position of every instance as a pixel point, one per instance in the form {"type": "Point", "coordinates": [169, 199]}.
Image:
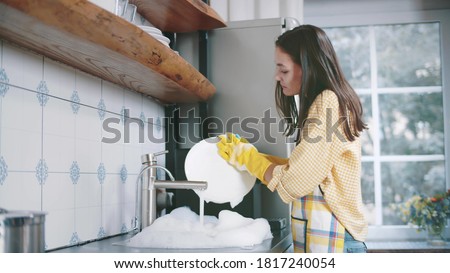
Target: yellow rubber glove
{"type": "Point", "coordinates": [243, 155]}
{"type": "Point", "coordinates": [276, 159]}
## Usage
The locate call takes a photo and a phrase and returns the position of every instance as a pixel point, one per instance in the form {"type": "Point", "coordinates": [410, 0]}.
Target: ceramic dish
{"type": "Point", "coordinates": [161, 38]}
{"type": "Point", "coordinates": [225, 183]}
{"type": "Point", "coordinates": [149, 29]}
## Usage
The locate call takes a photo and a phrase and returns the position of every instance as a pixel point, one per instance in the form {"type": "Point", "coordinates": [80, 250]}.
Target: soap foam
{"type": "Point", "coordinates": [182, 229]}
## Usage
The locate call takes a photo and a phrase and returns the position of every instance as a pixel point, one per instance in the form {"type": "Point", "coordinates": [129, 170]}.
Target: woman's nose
{"type": "Point", "coordinates": [277, 78]}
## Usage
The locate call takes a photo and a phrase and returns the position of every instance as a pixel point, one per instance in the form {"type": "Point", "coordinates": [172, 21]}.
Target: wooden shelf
{"type": "Point", "coordinates": [87, 37]}
{"type": "Point", "coordinates": [179, 15]}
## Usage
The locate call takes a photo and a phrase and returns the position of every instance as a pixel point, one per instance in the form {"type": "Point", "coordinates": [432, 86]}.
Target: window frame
{"type": "Point", "coordinates": [387, 232]}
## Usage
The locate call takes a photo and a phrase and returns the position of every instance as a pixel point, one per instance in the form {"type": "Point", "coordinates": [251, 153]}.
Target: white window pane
{"type": "Point", "coordinates": [367, 136]}
{"type": "Point", "coordinates": [408, 55]}
{"type": "Point", "coordinates": [368, 191]}
{"type": "Point", "coordinates": [353, 50]}
{"type": "Point", "coordinates": [411, 124]}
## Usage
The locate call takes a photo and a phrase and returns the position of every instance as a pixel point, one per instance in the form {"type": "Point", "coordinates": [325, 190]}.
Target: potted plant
{"type": "Point", "coordinates": [428, 213]}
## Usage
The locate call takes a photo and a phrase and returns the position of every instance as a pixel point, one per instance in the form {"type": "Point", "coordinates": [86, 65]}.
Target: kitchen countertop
{"type": "Point", "coordinates": [400, 247]}
{"type": "Point", "coordinates": [279, 243]}
{"type": "Point", "coordinates": [406, 247]}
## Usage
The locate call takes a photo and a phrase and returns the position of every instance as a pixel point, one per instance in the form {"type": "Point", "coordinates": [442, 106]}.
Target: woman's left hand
{"type": "Point", "coordinates": [243, 155]}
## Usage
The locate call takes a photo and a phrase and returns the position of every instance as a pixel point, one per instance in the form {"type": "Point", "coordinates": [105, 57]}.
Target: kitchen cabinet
{"type": "Point", "coordinates": [96, 41]}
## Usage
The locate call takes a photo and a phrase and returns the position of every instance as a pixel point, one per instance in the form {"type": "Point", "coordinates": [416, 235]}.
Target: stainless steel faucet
{"type": "Point", "coordinates": [146, 189]}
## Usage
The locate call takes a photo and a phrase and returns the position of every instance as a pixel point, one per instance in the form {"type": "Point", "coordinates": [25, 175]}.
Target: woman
{"type": "Point", "coordinates": [321, 178]}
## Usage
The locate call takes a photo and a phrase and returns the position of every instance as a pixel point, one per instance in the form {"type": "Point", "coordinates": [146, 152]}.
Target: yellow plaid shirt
{"type": "Point", "coordinates": [325, 157]}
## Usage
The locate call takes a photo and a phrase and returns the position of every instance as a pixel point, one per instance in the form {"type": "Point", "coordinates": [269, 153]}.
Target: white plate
{"type": "Point", "coordinates": [225, 183]}
{"type": "Point", "coordinates": [151, 29]}
{"type": "Point", "coordinates": [161, 38]}
{"type": "Point", "coordinates": [153, 32]}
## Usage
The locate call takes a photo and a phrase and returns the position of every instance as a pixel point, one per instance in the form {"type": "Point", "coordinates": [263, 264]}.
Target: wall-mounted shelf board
{"type": "Point", "coordinates": [87, 37]}
{"type": "Point", "coordinates": [179, 15]}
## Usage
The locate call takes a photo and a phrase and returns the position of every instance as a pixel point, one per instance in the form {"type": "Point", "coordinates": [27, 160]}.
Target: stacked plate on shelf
{"type": "Point", "coordinates": [157, 34]}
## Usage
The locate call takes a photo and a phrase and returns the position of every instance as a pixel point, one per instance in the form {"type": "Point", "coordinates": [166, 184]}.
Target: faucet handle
{"type": "Point", "coordinates": [160, 153]}
{"type": "Point", "coordinates": [151, 158]}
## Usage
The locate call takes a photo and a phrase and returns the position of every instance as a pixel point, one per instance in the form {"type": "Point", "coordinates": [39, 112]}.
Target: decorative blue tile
{"type": "Point", "coordinates": [158, 124]}
{"type": "Point", "coordinates": [75, 104]}
{"type": "Point", "coordinates": [41, 171]}
{"type": "Point", "coordinates": [42, 93]}
{"type": "Point", "coordinates": [3, 170]}
{"type": "Point", "coordinates": [123, 173]}
{"type": "Point", "coordinates": [101, 233]}
{"type": "Point", "coordinates": [4, 82]}
{"type": "Point", "coordinates": [101, 109]}
{"type": "Point", "coordinates": [101, 173]}
{"type": "Point", "coordinates": [74, 172]}
{"type": "Point", "coordinates": [142, 117]}
{"type": "Point", "coordinates": [124, 113]}
{"type": "Point", "coordinates": [74, 240]}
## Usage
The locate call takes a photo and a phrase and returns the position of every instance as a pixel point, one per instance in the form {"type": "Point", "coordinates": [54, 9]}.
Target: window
{"type": "Point", "coordinates": [396, 70]}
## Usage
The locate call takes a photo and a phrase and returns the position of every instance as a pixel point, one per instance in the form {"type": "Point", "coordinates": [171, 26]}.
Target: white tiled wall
{"type": "Point", "coordinates": [52, 157]}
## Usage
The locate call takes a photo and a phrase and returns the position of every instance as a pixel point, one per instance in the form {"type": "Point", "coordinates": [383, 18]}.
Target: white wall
{"type": "Point", "coordinates": [238, 10]}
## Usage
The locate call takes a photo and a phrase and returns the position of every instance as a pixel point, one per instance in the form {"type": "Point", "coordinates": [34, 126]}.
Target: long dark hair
{"type": "Point", "coordinates": [309, 47]}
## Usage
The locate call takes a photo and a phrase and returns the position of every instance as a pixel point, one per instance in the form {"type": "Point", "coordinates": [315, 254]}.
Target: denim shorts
{"type": "Point", "coordinates": [353, 246]}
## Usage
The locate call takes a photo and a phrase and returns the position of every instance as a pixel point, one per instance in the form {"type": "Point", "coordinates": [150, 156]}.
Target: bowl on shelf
{"type": "Point", "coordinates": [157, 34]}
{"type": "Point", "coordinates": [150, 29]}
